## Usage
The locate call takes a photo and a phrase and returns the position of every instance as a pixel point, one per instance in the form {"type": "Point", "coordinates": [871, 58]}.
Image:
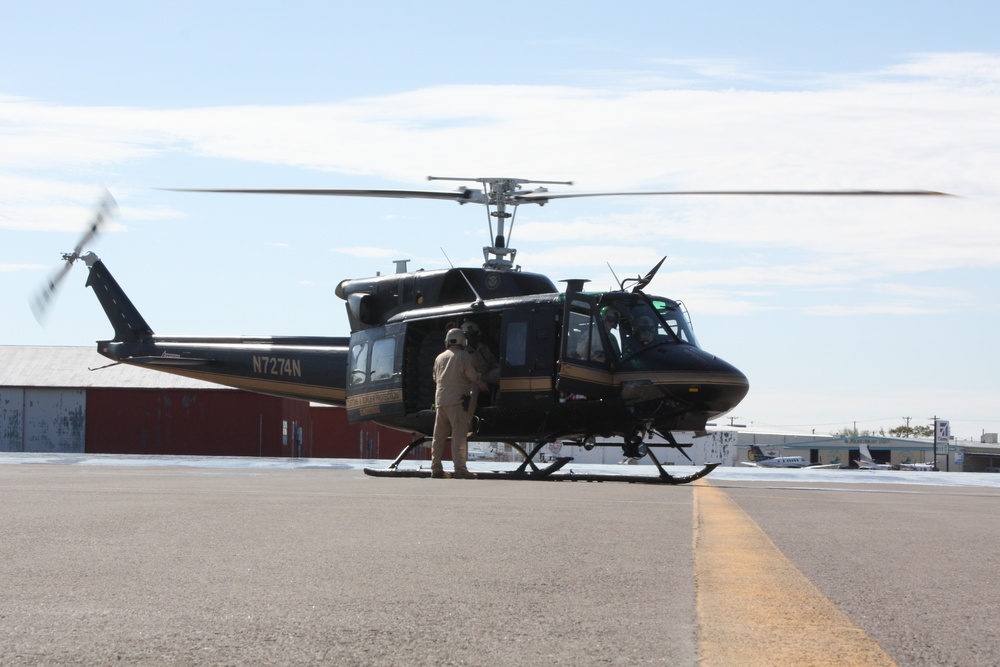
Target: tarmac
{"type": "Point", "coordinates": [171, 562]}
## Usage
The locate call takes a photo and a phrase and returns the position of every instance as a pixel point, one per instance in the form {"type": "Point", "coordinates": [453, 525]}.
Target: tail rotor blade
{"type": "Point", "coordinates": [106, 208]}
{"type": "Point", "coordinates": [40, 303]}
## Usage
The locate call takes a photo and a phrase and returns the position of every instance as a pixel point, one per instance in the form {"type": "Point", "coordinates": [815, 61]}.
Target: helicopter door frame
{"type": "Point", "coordinates": [375, 374]}
{"type": "Point", "coordinates": [584, 366]}
{"type": "Point", "coordinates": [527, 358]}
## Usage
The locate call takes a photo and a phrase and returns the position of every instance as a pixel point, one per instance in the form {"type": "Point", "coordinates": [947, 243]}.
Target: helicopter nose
{"type": "Point", "coordinates": [688, 376]}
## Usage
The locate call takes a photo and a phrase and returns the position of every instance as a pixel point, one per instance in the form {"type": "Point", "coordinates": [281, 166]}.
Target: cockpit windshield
{"type": "Point", "coordinates": [610, 328]}
{"type": "Point", "coordinates": [675, 318]}
{"type": "Point", "coordinates": [649, 321]}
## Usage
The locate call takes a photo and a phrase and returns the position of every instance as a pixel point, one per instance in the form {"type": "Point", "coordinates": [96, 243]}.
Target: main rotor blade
{"type": "Point", "coordinates": [474, 196]}
{"type": "Point", "coordinates": [541, 197]}
{"type": "Point", "coordinates": [462, 195]}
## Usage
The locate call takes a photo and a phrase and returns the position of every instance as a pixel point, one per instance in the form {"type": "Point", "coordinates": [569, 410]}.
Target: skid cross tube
{"type": "Point", "coordinates": [529, 458]}
{"type": "Point", "coordinates": [406, 450]}
{"type": "Point", "coordinates": [552, 472]}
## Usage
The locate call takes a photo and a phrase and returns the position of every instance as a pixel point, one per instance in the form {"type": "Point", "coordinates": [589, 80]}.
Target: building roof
{"type": "Point", "coordinates": [70, 367]}
{"type": "Point", "coordinates": [873, 442]}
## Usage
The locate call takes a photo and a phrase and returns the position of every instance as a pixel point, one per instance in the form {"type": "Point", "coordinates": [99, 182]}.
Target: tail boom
{"type": "Point", "coordinates": [305, 367]}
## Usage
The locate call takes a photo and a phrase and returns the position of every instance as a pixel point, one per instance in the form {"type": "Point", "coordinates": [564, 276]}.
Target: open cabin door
{"type": "Point", "coordinates": [587, 353]}
{"type": "Point", "coordinates": [374, 374]}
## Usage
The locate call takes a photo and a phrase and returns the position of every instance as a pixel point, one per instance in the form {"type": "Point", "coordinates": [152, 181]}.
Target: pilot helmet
{"type": "Point", "coordinates": [470, 327]}
{"type": "Point", "coordinates": [644, 324]}
{"type": "Point", "coordinates": [455, 337]}
{"type": "Point", "coordinates": [610, 314]}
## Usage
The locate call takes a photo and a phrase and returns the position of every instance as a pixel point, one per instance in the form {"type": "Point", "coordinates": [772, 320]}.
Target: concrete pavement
{"type": "Point", "coordinates": [181, 565]}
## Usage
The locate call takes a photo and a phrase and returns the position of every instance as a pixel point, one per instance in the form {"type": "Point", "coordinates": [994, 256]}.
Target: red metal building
{"type": "Point", "coordinates": [333, 437]}
{"type": "Point", "coordinates": [50, 401]}
{"type": "Point", "coordinates": [206, 422]}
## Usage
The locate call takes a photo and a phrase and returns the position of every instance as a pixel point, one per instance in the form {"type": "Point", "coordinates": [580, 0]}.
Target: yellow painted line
{"type": "Point", "coordinates": [755, 607]}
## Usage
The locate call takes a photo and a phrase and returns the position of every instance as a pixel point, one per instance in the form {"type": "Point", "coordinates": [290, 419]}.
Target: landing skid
{"type": "Point", "coordinates": [550, 473]}
{"type": "Point", "coordinates": [539, 474]}
{"type": "Point", "coordinates": [663, 478]}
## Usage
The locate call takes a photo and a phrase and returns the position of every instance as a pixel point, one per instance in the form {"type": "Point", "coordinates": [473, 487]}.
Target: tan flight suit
{"type": "Point", "coordinates": [488, 368]}
{"type": "Point", "coordinates": [453, 374]}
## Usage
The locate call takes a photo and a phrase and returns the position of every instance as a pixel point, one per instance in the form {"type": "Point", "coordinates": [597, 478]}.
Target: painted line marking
{"type": "Point", "coordinates": [755, 607]}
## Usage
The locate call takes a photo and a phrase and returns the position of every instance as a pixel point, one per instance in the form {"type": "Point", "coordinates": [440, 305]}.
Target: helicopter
{"type": "Point", "coordinates": [573, 365]}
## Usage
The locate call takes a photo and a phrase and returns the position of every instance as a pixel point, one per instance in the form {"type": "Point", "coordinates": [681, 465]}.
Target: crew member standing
{"type": "Point", "coordinates": [454, 374]}
{"type": "Point", "coordinates": [483, 359]}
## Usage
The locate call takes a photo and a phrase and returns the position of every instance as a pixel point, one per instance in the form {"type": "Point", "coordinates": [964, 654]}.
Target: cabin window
{"type": "Point", "coordinates": [383, 354]}
{"type": "Point", "coordinates": [516, 347]}
{"type": "Point", "coordinates": [359, 363]}
{"type": "Point", "coordinates": [584, 340]}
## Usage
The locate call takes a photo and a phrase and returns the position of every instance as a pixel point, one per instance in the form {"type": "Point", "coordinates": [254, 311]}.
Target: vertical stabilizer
{"type": "Point", "coordinates": [128, 323]}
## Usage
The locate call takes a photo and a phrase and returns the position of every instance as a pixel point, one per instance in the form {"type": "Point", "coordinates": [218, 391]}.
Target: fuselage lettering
{"type": "Point", "coordinates": [264, 365]}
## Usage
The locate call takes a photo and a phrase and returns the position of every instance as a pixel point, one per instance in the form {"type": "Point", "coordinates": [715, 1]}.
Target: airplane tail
{"type": "Point", "coordinates": [865, 454]}
{"type": "Point", "coordinates": [129, 325]}
{"type": "Point", "coordinates": [755, 454]}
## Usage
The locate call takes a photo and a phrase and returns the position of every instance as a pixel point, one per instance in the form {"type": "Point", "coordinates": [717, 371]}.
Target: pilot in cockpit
{"type": "Point", "coordinates": [644, 331]}
{"type": "Point", "coordinates": [610, 318]}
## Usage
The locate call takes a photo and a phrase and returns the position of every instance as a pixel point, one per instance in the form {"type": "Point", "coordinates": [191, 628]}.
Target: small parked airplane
{"type": "Point", "coordinates": [917, 466]}
{"type": "Point", "coordinates": [758, 459]}
{"type": "Point", "coordinates": [866, 462]}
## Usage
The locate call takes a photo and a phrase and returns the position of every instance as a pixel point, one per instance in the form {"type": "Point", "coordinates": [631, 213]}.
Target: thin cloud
{"type": "Point", "coordinates": [367, 252]}
{"type": "Point", "coordinates": [872, 309]}
{"type": "Point", "coordinates": [932, 122]}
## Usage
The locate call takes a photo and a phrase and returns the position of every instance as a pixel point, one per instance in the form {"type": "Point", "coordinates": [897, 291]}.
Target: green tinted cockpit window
{"type": "Point", "coordinates": [675, 319]}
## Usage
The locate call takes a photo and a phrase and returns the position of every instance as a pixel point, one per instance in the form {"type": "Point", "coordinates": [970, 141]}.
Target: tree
{"type": "Point", "coordinates": [907, 431]}
{"type": "Point", "coordinates": [848, 432]}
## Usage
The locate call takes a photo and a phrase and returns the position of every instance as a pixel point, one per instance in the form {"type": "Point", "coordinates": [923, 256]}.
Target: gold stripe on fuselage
{"type": "Point", "coordinates": [607, 378]}
{"type": "Point", "coordinates": [299, 390]}
{"type": "Point", "coordinates": [526, 383]}
{"type": "Point", "coordinates": [374, 399]}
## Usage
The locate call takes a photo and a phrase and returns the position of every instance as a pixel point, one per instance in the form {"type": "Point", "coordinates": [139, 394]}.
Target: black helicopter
{"type": "Point", "coordinates": [574, 365]}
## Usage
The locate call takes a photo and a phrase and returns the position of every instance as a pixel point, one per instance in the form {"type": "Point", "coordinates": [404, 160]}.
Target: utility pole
{"type": "Point", "coordinates": [935, 442]}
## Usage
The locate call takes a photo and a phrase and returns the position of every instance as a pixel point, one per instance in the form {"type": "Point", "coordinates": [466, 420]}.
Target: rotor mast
{"type": "Point", "coordinates": [501, 192]}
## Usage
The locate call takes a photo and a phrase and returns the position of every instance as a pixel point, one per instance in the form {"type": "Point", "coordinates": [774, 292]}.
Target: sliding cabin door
{"type": "Point", "coordinates": [528, 349]}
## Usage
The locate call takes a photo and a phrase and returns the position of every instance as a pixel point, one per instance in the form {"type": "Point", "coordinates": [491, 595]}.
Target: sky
{"type": "Point", "coordinates": [844, 313]}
